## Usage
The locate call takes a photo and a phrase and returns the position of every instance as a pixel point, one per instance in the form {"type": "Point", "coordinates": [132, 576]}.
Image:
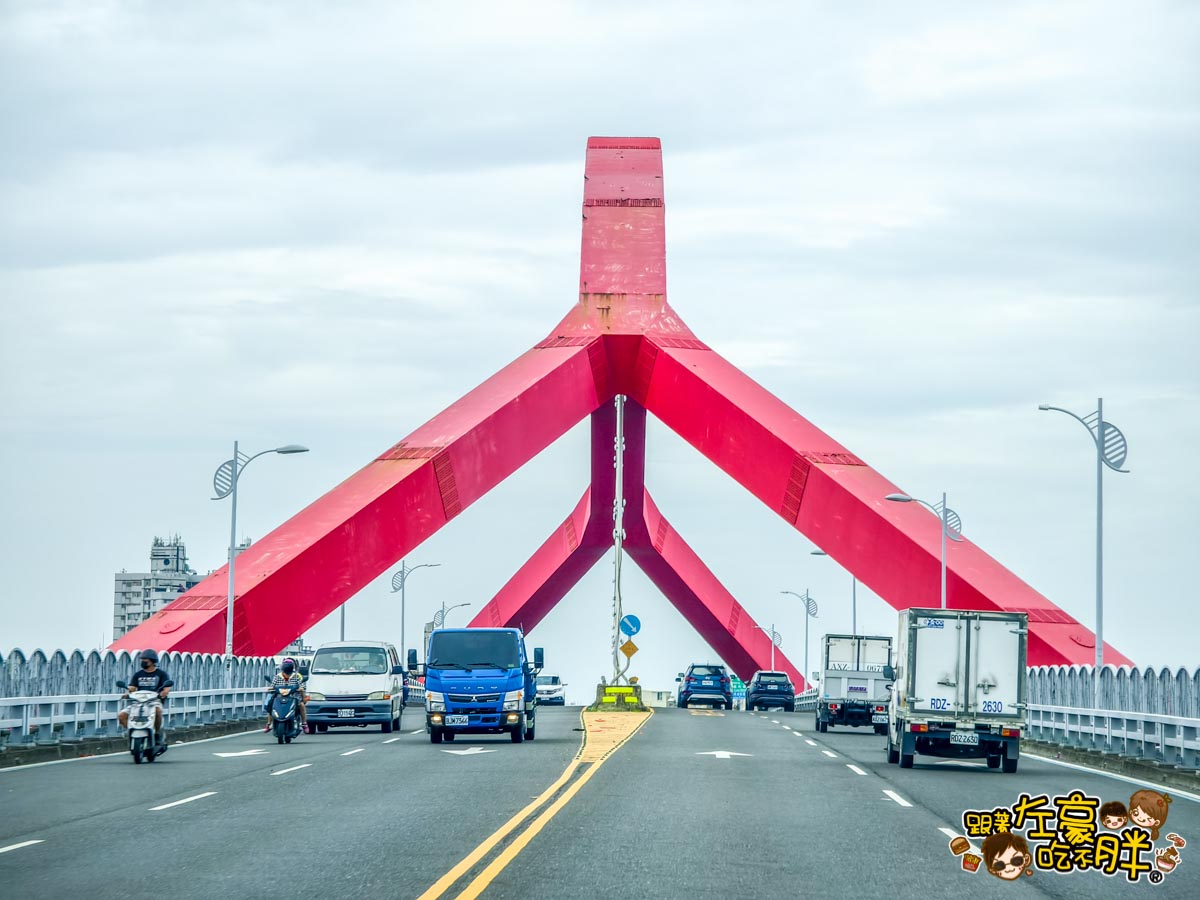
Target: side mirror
{"type": "Point", "coordinates": [412, 660]}
{"type": "Point", "coordinates": [679, 678]}
{"type": "Point", "coordinates": [122, 685]}
{"type": "Point", "coordinates": [397, 670]}
{"type": "Point", "coordinates": [539, 658]}
{"type": "Point", "coordinates": [889, 673]}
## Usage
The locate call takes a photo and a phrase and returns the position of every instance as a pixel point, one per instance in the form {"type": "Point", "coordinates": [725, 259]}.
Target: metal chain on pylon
{"type": "Point", "coordinates": [618, 537]}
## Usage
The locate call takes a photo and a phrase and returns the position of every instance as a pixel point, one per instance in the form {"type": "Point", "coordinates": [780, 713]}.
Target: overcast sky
{"type": "Point", "coordinates": [300, 222]}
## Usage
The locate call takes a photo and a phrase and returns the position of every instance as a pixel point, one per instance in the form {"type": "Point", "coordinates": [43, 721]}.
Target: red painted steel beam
{"type": "Point", "coordinates": [836, 500]}
{"type": "Point", "coordinates": [308, 566]}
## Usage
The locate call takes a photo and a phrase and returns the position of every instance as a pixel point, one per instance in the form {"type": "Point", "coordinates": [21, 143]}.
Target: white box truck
{"type": "Point", "coordinates": [959, 686]}
{"type": "Point", "coordinates": [853, 688]}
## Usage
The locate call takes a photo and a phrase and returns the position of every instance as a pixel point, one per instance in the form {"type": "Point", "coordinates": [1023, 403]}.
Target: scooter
{"type": "Point", "coordinates": [285, 714]}
{"type": "Point", "coordinates": [141, 726]}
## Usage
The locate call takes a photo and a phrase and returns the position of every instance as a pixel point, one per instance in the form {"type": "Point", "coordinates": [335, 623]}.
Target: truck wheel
{"type": "Point", "coordinates": [448, 736]}
{"type": "Point", "coordinates": [386, 727]}
{"type": "Point", "coordinates": [881, 729]}
{"type": "Point", "coordinates": [791, 707]}
{"type": "Point", "coordinates": [435, 735]}
{"type": "Point", "coordinates": [518, 734]}
{"type": "Point", "coordinates": [893, 753]}
{"type": "Point", "coordinates": [993, 762]}
{"type": "Point", "coordinates": [906, 760]}
{"type": "Point", "coordinates": [1010, 765]}
{"type": "Point", "coordinates": [529, 732]}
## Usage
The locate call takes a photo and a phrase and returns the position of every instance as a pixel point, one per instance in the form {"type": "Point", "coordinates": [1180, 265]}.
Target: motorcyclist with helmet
{"type": "Point", "coordinates": [288, 677]}
{"type": "Point", "coordinates": [149, 678]}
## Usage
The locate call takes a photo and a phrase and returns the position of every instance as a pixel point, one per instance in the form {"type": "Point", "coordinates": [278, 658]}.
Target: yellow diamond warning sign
{"type": "Point", "coordinates": [629, 648]}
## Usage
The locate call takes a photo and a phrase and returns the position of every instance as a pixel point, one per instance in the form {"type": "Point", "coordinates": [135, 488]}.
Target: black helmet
{"type": "Point", "coordinates": [288, 665]}
{"type": "Point", "coordinates": [151, 655]}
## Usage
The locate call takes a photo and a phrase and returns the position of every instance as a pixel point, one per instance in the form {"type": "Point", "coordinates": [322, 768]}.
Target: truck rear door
{"type": "Point", "coordinates": [996, 667]}
{"type": "Point", "coordinates": [939, 643]}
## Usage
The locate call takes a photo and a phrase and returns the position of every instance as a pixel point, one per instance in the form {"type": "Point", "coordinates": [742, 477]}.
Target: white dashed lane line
{"type": "Point", "coordinates": [810, 743]}
{"type": "Point", "coordinates": [19, 846]}
{"type": "Point", "coordinates": [418, 731]}
{"type": "Point", "coordinates": [292, 769]}
{"type": "Point", "coordinates": [391, 740]}
{"type": "Point", "coordinates": [352, 752]}
{"type": "Point", "coordinates": [951, 833]}
{"type": "Point", "coordinates": [830, 754]}
{"type": "Point", "coordinates": [855, 769]}
{"type": "Point", "coordinates": [181, 802]}
{"type": "Point", "coordinates": [897, 798]}
{"type": "Point", "coordinates": [788, 727]}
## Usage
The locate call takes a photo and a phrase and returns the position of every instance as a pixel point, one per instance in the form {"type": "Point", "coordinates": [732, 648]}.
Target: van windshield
{"type": "Point", "coordinates": [350, 661]}
{"type": "Point", "coordinates": [547, 679]}
{"type": "Point", "coordinates": [473, 650]}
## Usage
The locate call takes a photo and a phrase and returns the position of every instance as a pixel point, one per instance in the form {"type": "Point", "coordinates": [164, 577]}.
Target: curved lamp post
{"type": "Point", "coordinates": [439, 618]}
{"type": "Point", "coordinates": [810, 612]}
{"type": "Point", "coordinates": [398, 581]}
{"type": "Point", "coordinates": [853, 594]}
{"type": "Point", "coordinates": [1111, 450]}
{"type": "Point", "coordinates": [951, 527]}
{"type": "Point", "coordinates": [776, 641]}
{"type": "Point", "coordinates": [225, 482]}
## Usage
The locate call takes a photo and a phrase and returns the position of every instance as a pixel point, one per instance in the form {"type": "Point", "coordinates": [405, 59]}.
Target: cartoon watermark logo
{"type": "Point", "coordinates": [1069, 833]}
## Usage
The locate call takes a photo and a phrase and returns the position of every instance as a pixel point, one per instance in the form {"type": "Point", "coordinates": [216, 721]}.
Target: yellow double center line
{"type": "Point", "coordinates": [604, 733]}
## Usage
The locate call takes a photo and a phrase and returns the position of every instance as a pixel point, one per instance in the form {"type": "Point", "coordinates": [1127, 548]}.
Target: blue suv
{"type": "Point", "coordinates": [704, 683]}
{"type": "Point", "coordinates": [768, 690]}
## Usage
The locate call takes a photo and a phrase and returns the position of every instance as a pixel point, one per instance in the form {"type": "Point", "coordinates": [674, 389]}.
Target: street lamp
{"type": "Point", "coordinates": [225, 482]}
{"type": "Point", "coordinates": [810, 611]}
{"type": "Point", "coordinates": [853, 595]}
{"type": "Point", "coordinates": [439, 620]}
{"type": "Point", "coordinates": [776, 641]}
{"type": "Point", "coordinates": [1111, 449]}
{"type": "Point", "coordinates": [398, 581]}
{"type": "Point", "coordinates": [951, 527]}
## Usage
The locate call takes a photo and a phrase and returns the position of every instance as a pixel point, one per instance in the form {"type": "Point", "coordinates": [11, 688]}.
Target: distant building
{"type": "Point", "coordinates": [139, 595]}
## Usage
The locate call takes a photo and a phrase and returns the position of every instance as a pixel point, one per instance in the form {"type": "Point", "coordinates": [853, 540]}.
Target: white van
{"type": "Point", "coordinates": [355, 683]}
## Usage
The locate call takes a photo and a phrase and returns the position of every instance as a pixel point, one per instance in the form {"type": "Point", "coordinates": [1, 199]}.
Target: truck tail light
{"type": "Point", "coordinates": [1010, 732]}
{"type": "Point", "coordinates": [918, 728]}
{"type": "Point", "coordinates": [880, 709]}
{"type": "Point", "coordinates": [833, 706]}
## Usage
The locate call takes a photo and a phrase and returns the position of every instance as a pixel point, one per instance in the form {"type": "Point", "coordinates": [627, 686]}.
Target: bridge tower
{"type": "Point", "coordinates": [621, 336]}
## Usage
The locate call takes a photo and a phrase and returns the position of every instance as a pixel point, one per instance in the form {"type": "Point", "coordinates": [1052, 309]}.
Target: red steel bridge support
{"type": "Point", "coordinates": [621, 337]}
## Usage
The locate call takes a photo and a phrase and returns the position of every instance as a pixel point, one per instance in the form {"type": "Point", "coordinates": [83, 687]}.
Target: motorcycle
{"type": "Point", "coordinates": [141, 726]}
{"type": "Point", "coordinates": [285, 714]}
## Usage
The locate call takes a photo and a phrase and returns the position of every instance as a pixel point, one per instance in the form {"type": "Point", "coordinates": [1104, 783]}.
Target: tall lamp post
{"type": "Point", "coordinates": [951, 527]}
{"type": "Point", "coordinates": [1111, 450]}
{"type": "Point", "coordinates": [225, 482]}
{"type": "Point", "coordinates": [810, 612]}
{"type": "Point", "coordinates": [398, 581]}
{"type": "Point", "coordinates": [853, 595]}
{"type": "Point", "coordinates": [776, 641]}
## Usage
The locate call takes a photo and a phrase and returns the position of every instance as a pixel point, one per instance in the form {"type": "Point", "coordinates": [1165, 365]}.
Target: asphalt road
{"type": "Point", "coordinates": [668, 815]}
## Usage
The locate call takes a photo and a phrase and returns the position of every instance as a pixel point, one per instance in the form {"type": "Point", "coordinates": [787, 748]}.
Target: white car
{"type": "Point", "coordinates": [551, 690]}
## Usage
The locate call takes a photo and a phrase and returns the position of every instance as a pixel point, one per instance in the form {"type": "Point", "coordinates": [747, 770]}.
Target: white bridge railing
{"type": "Point", "coordinates": [48, 699]}
{"type": "Point", "coordinates": [1147, 714]}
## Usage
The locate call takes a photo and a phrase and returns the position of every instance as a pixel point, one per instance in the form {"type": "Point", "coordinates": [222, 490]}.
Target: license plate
{"type": "Point", "coordinates": [879, 719]}
{"type": "Point", "coordinates": [772, 687]}
{"type": "Point", "coordinates": [345, 714]}
{"type": "Point", "coordinates": [964, 737]}
{"type": "Point", "coordinates": [456, 720]}
{"type": "Point", "coordinates": [708, 681]}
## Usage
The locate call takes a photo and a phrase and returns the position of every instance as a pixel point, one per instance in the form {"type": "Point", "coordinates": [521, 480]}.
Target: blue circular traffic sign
{"type": "Point", "coordinates": [630, 625]}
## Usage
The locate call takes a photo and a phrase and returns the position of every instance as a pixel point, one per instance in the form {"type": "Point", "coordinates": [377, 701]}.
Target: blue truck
{"type": "Point", "coordinates": [478, 681]}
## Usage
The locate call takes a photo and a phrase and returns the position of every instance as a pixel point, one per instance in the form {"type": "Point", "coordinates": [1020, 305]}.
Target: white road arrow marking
{"type": "Point", "coordinates": [723, 754]}
{"type": "Point", "coordinates": [255, 752]}
{"type": "Point", "coordinates": [469, 751]}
